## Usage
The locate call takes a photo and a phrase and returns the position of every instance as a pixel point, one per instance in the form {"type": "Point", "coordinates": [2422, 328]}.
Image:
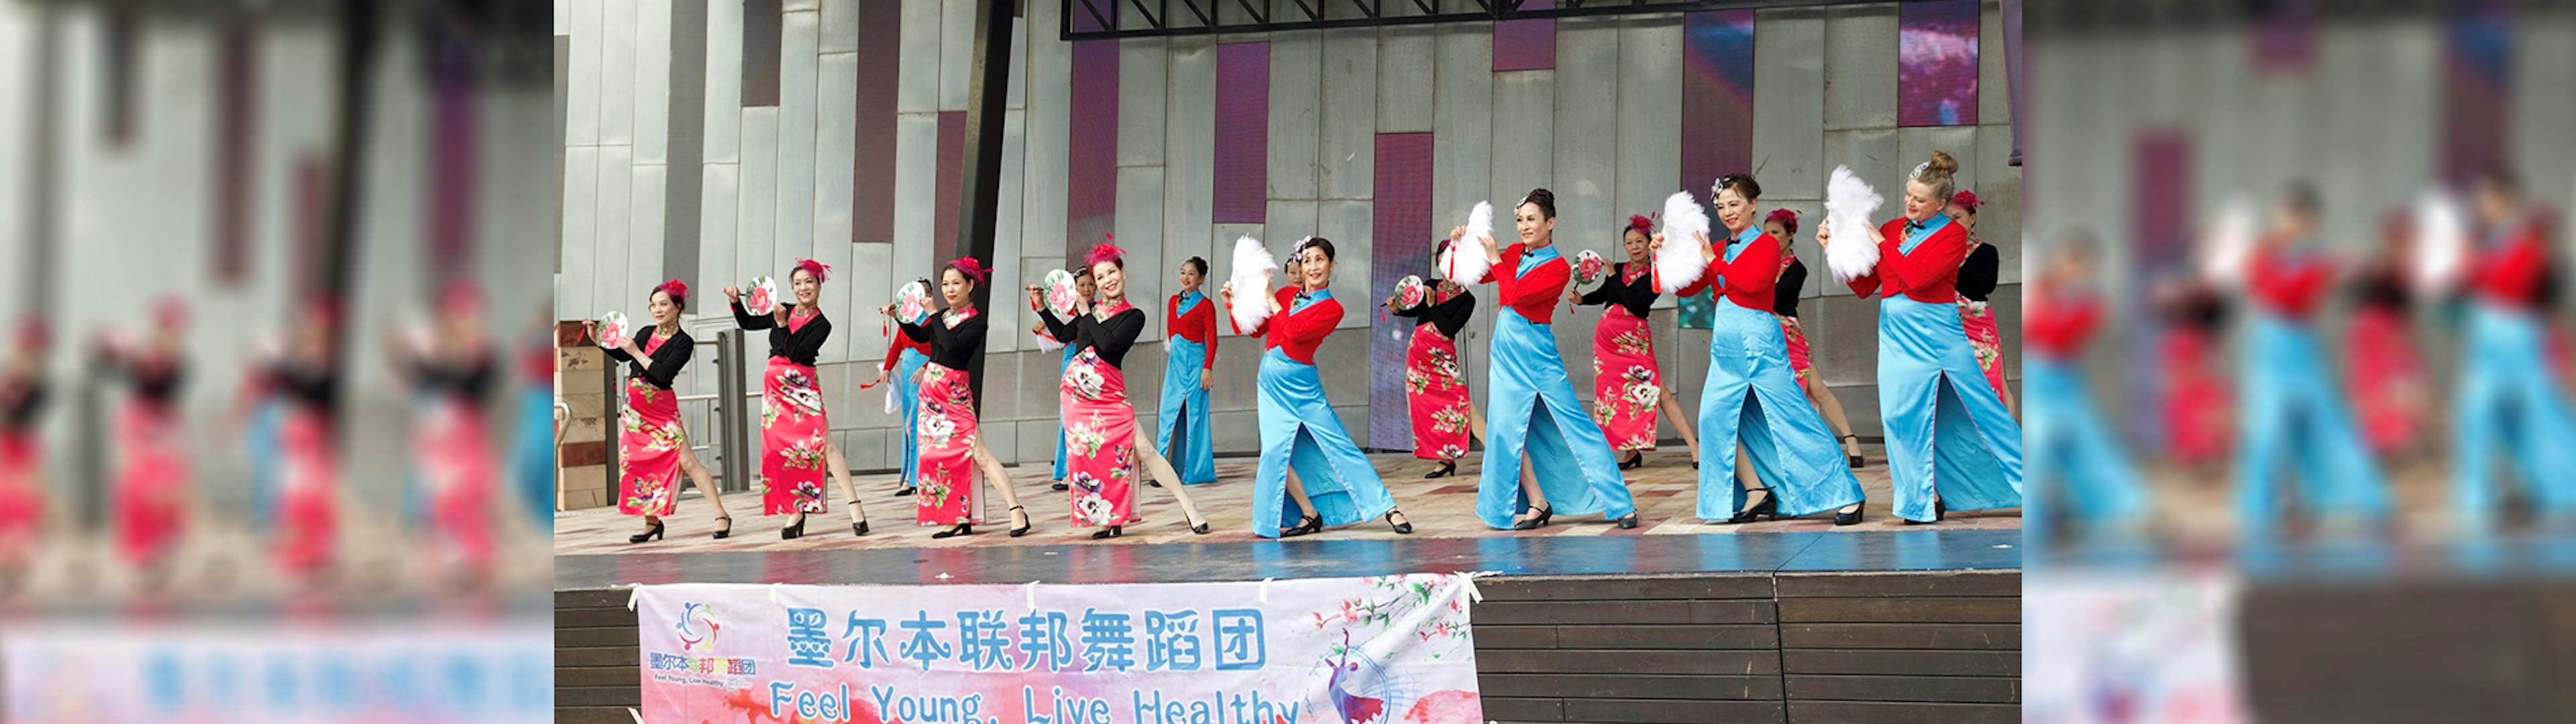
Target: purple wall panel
{"type": "Point", "coordinates": [1400, 244]}
{"type": "Point", "coordinates": [880, 65]}
{"type": "Point", "coordinates": [1091, 194]}
{"type": "Point", "coordinates": [1936, 63]}
{"type": "Point", "coordinates": [1526, 44]}
{"type": "Point", "coordinates": [1717, 114]}
{"type": "Point", "coordinates": [2477, 70]}
{"type": "Point", "coordinates": [1242, 133]}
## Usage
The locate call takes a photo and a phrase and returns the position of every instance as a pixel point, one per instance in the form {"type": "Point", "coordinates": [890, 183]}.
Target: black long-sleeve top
{"type": "Point", "coordinates": [311, 387]}
{"type": "Point", "coordinates": [1637, 297]}
{"type": "Point", "coordinates": [953, 347]}
{"type": "Point", "coordinates": [2381, 287]}
{"type": "Point", "coordinates": [1110, 339]}
{"type": "Point", "coordinates": [667, 361]}
{"type": "Point", "coordinates": [801, 346]}
{"type": "Point", "coordinates": [1449, 317]}
{"type": "Point", "coordinates": [156, 381]}
{"type": "Point", "coordinates": [1979, 273]}
{"type": "Point", "coordinates": [21, 398]}
{"type": "Point", "coordinates": [1784, 293]}
{"type": "Point", "coordinates": [466, 379]}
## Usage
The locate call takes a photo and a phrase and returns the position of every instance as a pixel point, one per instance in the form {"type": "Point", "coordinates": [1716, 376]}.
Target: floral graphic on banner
{"type": "Point", "coordinates": [1340, 651]}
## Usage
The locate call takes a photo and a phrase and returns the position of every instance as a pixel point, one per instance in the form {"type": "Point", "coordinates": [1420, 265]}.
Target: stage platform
{"type": "Point", "coordinates": [1665, 490]}
{"type": "Point", "coordinates": [1915, 625]}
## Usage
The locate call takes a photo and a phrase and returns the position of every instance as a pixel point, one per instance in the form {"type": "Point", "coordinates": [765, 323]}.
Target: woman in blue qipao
{"type": "Point", "coordinates": [2293, 410]}
{"type": "Point", "coordinates": [1949, 443]}
{"type": "Point", "coordinates": [1181, 430]}
{"type": "Point", "coordinates": [1081, 283]}
{"type": "Point", "coordinates": [903, 365]}
{"type": "Point", "coordinates": [1752, 399]}
{"type": "Point", "coordinates": [1543, 453]}
{"type": "Point", "coordinates": [1306, 456]}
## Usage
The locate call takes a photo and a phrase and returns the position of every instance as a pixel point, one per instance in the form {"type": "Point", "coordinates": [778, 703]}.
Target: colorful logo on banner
{"type": "Point", "coordinates": [1335, 651]}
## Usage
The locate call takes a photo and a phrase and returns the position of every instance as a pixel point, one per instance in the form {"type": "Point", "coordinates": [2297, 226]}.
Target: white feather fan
{"type": "Point", "coordinates": [1253, 267]}
{"type": "Point", "coordinates": [1679, 263]}
{"type": "Point", "coordinates": [1849, 202]}
{"type": "Point", "coordinates": [2441, 241]}
{"type": "Point", "coordinates": [1464, 262]}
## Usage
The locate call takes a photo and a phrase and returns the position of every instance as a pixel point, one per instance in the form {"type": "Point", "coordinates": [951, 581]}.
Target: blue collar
{"type": "Point", "coordinates": [1305, 300]}
{"type": "Point", "coordinates": [1531, 258]}
{"type": "Point", "coordinates": [1735, 245]}
{"type": "Point", "coordinates": [1190, 300]}
{"type": "Point", "coordinates": [1916, 233]}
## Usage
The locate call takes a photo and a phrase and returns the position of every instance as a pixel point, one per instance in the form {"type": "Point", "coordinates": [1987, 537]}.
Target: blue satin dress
{"type": "Point", "coordinates": [1531, 405]}
{"type": "Point", "coordinates": [2507, 401]}
{"type": "Point", "coordinates": [1790, 448]}
{"type": "Point", "coordinates": [2073, 452]}
{"type": "Point", "coordinates": [1299, 429]}
{"type": "Point", "coordinates": [1944, 426]}
{"type": "Point", "coordinates": [2294, 408]}
{"type": "Point", "coordinates": [1060, 367]}
{"type": "Point", "coordinates": [1185, 405]}
{"type": "Point", "coordinates": [908, 394]}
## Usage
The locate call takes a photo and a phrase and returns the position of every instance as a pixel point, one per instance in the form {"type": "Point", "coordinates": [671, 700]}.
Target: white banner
{"type": "Point", "coordinates": [1339, 651]}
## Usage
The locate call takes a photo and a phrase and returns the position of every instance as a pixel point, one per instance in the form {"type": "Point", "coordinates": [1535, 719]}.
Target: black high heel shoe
{"type": "Point", "coordinates": [1769, 507]}
{"type": "Point", "coordinates": [1939, 510]}
{"type": "Point", "coordinates": [1447, 468]}
{"type": "Point", "coordinates": [650, 533]}
{"type": "Point", "coordinates": [907, 490]}
{"type": "Point", "coordinates": [1533, 522]}
{"type": "Point", "coordinates": [1634, 461]}
{"type": "Point", "coordinates": [1856, 461]}
{"type": "Point", "coordinates": [1305, 525]}
{"type": "Point", "coordinates": [727, 530]}
{"type": "Point", "coordinates": [1850, 518]}
{"type": "Point", "coordinates": [794, 531]}
{"type": "Point", "coordinates": [1404, 528]}
{"type": "Point", "coordinates": [1628, 522]}
{"type": "Point", "coordinates": [961, 529]}
{"type": "Point", "coordinates": [1112, 532]}
{"type": "Point", "coordinates": [860, 526]}
{"type": "Point", "coordinates": [1059, 486]}
{"type": "Point", "coordinates": [1024, 522]}
{"type": "Point", "coordinates": [1200, 529]}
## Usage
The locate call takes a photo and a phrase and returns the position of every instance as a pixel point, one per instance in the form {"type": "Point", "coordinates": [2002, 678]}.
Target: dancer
{"type": "Point", "coordinates": [949, 449]}
{"type": "Point", "coordinates": [903, 364]}
{"type": "Point", "coordinates": [2293, 409]}
{"type": "Point", "coordinates": [151, 488]}
{"type": "Point", "coordinates": [309, 482]}
{"type": "Point", "coordinates": [1750, 404]}
{"type": "Point", "coordinates": [2507, 405]}
{"type": "Point", "coordinates": [796, 447]}
{"type": "Point", "coordinates": [1782, 224]}
{"type": "Point", "coordinates": [1627, 386]}
{"type": "Point", "coordinates": [22, 462]}
{"type": "Point", "coordinates": [652, 444]}
{"type": "Point", "coordinates": [1189, 366]}
{"type": "Point", "coordinates": [1568, 463]}
{"type": "Point", "coordinates": [452, 370]}
{"type": "Point", "coordinates": [1084, 287]}
{"type": "Point", "coordinates": [535, 461]}
{"type": "Point", "coordinates": [1306, 456]}
{"type": "Point", "coordinates": [2387, 385]}
{"type": "Point", "coordinates": [1099, 423]}
{"type": "Point", "coordinates": [1435, 383]}
{"type": "Point", "coordinates": [1978, 275]}
{"type": "Point", "coordinates": [2076, 463]}
{"type": "Point", "coordinates": [1948, 445]}
{"type": "Point", "coordinates": [2195, 394]}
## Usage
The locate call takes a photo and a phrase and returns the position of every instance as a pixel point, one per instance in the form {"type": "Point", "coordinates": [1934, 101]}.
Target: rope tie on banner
{"type": "Point", "coordinates": [633, 593]}
{"type": "Point", "coordinates": [773, 596]}
{"type": "Point", "coordinates": [1468, 580]}
{"type": "Point", "coordinates": [1032, 596]}
{"type": "Point", "coordinates": [1265, 591]}
{"type": "Point", "coordinates": [639, 716]}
